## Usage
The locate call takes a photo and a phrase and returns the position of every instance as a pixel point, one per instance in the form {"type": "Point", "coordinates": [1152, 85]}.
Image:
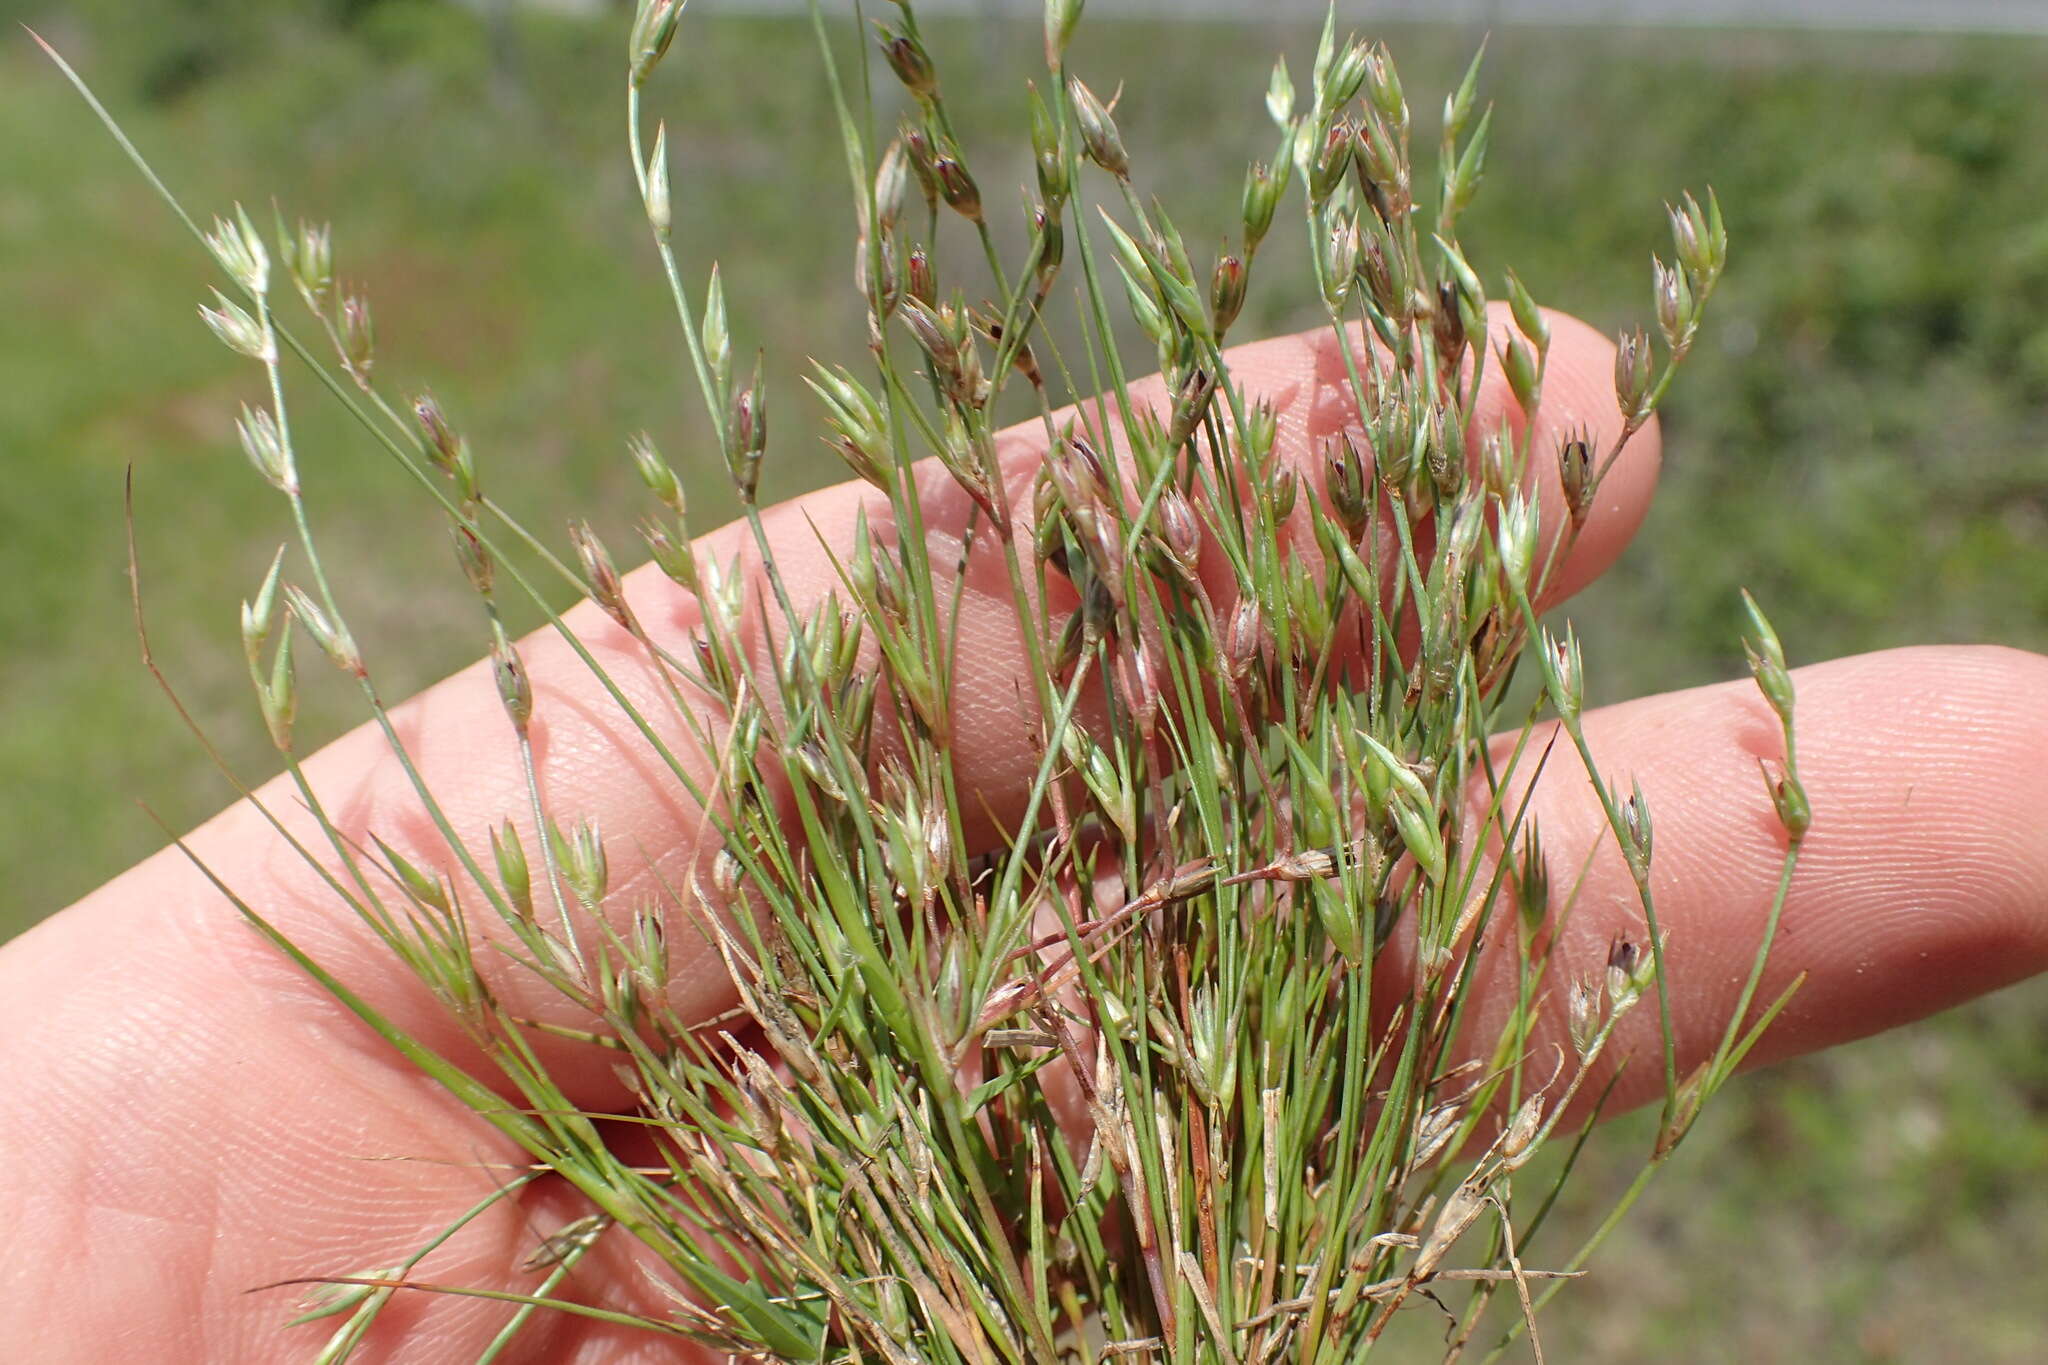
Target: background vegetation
{"type": "Point", "coordinates": [1859, 439]}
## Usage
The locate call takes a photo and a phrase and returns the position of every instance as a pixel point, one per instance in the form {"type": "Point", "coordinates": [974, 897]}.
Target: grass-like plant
{"type": "Point", "coordinates": [1164, 1046]}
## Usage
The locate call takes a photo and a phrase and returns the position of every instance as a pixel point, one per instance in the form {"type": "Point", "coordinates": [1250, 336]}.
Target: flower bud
{"type": "Point", "coordinates": [1348, 486]}
{"type": "Point", "coordinates": [1674, 304]}
{"type": "Point", "coordinates": [328, 633]}
{"type": "Point", "coordinates": [239, 249]}
{"type": "Point", "coordinates": [714, 333]}
{"type": "Point", "coordinates": [1420, 835]}
{"type": "Point", "coordinates": [1346, 74]}
{"type": "Point", "coordinates": [236, 329]}
{"type": "Point", "coordinates": [1532, 880]}
{"type": "Point", "coordinates": [1788, 798]}
{"type": "Point", "coordinates": [442, 442]}
{"type": "Point", "coordinates": [1099, 136]}
{"type": "Point", "coordinates": [309, 260]}
{"type": "Point", "coordinates": [1635, 823]}
{"type": "Point", "coordinates": [655, 472]}
{"type": "Point", "coordinates": [676, 558]}
{"type": "Point", "coordinates": [1763, 639]}
{"type": "Point", "coordinates": [1520, 366]}
{"type": "Point", "coordinates": [1516, 531]}
{"type": "Point", "coordinates": [1632, 374]}
{"type": "Point", "coordinates": [1700, 239]}
{"type": "Point", "coordinates": [584, 863]}
{"type": "Point", "coordinates": [477, 564]}
{"type": "Point", "coordinates": [1261, 429]}
{"type": "Point", "coordinates": [358, 339]}
{"type": "Point", "coordinates": [279, 697]}
{"type": "Point", "coordinates": [1383, 86]}
{"type": "Point", "coordinates": [1054, 182]}
{"type": "Point", "coordinates": [1060, 18]}
{"type": "Point", "coordinates": [1333, 161]}
{"type": "Point", "coordinates": [657, 184]}
{"type": "Point", "coordinates": [1280, 95]}
{"type": "Point", "coordinates": [1564, 673]}
{"type": "Point", "coordinates": [259, 617]}
{"type": "Point", "coordinates": [1262, 190]}
{"type": "Point", "coordinates": [510, 856]}
{"type": "Point", "coordinates": [654, 27]}
{"type": "Point", "coordinates": [1286, 485]}
{"type": "Point", "coordinates": [264, 444]}
{"type": "Point", "coordinates": [1340, 262]}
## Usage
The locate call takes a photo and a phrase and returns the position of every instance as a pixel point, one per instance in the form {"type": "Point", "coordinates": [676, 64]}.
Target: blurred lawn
{"type": "Point", "coordinates": [1860, 440]}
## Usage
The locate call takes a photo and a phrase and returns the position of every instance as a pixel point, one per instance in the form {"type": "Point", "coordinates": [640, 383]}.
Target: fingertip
{"type": "Point", "coordinates": [1922, 883]}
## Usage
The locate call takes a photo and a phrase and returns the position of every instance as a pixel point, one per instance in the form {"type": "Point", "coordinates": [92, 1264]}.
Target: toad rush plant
{"type": "Point", "coordinates": [1165, 1054]}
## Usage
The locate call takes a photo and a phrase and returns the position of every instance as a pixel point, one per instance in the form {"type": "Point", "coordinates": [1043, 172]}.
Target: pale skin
{"type": "Point", "coordinates": [187, 1117]}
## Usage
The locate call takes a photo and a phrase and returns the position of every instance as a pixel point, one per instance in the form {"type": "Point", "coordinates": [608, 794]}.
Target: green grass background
{"type": "Point", "coordinates": [1860, 440]}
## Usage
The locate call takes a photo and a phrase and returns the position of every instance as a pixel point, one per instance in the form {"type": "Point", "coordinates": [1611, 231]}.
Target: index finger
{"type": "Point", "coordinates": [594, 763]}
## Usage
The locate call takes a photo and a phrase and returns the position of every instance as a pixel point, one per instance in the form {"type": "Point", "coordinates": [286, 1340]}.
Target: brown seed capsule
{"type": "Point", "coordinates": [911, 63]}
{"type": "Point", "coordinates": [515, 690]}
{"type": "Point", "coordinates": [747, 437]}
{"type": "Point", "coordinates": [1226, 293]}
{"type": "Point", "coordinates": [1347, 486]}
{"type": "Point", "coordinates": [918, 279]}
{"type": "Point", "coordinates": [601, 579]}
{"type": "Point", "coordinates": [1241, 643]}
{"type": "Point", "coordinates": [1583, 1017]}
{"type": "Point", "coordinates": [1447, 325]}
{"type": "Point", "coordinates": [1052, 246]}
{"type": "Point", "coordinates": [918, 148]}
{"type": "Point", "coordinates": [957, 187]}
{"type": "Point", "coordinates": [1147, 689]}
{"type": "Point", "coordinates": [1522, 1130]}
{"type": "Point", "coordinates": [1575, 476]}
{"type": "Point", "coordinates": [1180, 531]}
{"type": "Point", "coordinates": [1632, 374]}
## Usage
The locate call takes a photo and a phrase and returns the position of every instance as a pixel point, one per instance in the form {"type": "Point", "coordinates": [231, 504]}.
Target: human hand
{"type": "Point", "coordinates": [189, 1117]}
